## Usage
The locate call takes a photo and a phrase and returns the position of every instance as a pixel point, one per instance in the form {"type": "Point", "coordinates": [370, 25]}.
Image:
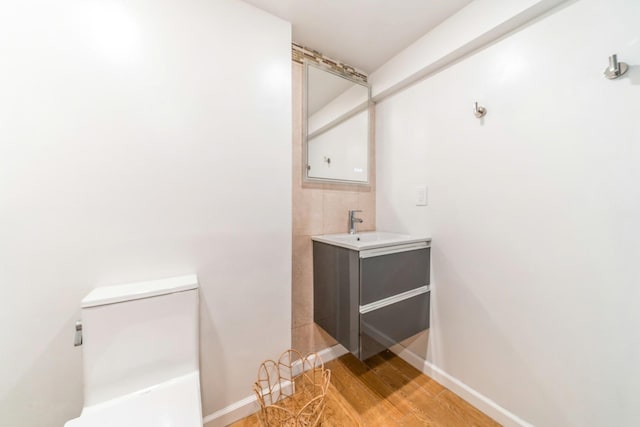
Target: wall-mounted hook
{"type": "Point", "coordinates": [479, 111]}
{"type": "Point", "coordinates": [615, 68]}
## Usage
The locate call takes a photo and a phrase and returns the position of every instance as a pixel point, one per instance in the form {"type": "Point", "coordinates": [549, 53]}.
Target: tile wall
{"type": "Point", "coordinates": [318, 209]}
{"type": "Point", "coordinates": [301, 53]}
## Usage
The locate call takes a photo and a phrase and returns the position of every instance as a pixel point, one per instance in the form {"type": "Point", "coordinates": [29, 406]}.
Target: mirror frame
{"type": "Point", "coordinates": [305, 119]}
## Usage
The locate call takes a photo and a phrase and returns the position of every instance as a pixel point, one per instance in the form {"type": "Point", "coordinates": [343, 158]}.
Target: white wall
{"type": "Point", "coordinates": [140, 140]}
{"type": "Point", "coordinates": [534, 213]}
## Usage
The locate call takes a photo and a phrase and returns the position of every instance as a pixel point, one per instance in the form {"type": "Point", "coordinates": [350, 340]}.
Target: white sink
{"type": "Point", "coordinates": [368, 240]}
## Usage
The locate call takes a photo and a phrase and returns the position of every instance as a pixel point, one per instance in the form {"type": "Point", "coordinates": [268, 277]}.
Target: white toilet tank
{"type": "Point", "coordinates": [138, 335]}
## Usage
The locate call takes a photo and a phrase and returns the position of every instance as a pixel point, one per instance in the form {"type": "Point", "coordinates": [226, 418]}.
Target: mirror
{"type": "Point", "coordinates": [337, 127]}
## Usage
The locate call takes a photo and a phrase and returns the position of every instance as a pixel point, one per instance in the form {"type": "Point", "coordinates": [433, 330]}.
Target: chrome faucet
{"type": "Point", "coordinates": [353, 221]}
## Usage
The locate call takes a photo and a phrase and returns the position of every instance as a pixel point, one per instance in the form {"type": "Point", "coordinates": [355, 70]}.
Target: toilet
{"type": "Point", "coordinates": [140, 349]}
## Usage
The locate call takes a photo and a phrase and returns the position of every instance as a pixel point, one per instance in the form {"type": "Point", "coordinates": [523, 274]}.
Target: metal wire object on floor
{"type": "Point", "coordinates": [291, 391]}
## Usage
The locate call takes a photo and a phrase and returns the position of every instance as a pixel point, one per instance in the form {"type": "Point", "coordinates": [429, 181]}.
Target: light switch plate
{"type": "Point", "coordinates": [421, 195]}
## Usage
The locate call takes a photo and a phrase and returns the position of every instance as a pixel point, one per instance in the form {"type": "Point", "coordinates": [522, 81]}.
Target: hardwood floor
{"type": "Point", "coordinates": [386, 391]}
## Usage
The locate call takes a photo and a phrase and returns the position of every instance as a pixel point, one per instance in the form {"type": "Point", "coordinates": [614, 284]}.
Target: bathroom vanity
{"type": "Point", "coordinates": [371, 290]}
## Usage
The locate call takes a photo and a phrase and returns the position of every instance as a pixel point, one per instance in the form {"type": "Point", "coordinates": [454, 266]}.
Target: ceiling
{"type": "Point", "coordinates": [361, 33]}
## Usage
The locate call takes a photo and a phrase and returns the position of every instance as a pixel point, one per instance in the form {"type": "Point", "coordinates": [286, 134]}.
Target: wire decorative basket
{"type": "Point", "coordinates": [291, 392]}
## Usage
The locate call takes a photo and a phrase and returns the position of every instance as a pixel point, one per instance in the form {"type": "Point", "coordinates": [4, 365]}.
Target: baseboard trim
{"type": "Point", "coordinates": [332, 352]}
{"type": "Point", "coordinates": [247, 406]}
{"type": "Point", "coordinates": [477, 399]}
{"type": "Point", "coordinates": [232, 413]}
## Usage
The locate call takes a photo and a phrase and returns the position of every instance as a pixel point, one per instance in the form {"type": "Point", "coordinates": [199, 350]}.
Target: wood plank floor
{"type": "Point", "coordinates": [387, 391]}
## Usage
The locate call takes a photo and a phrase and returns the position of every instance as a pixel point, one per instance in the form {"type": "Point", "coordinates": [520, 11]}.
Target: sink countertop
{"type": "Point", "coordinates": [369, 240]}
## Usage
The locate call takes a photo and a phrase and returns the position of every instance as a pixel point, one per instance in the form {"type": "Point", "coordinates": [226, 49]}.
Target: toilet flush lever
{"type": "Point", "coordinates": [78, 338]}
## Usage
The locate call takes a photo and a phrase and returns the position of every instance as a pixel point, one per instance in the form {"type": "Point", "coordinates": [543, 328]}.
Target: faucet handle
{"type": "Point", "coordinates": [351, 212]}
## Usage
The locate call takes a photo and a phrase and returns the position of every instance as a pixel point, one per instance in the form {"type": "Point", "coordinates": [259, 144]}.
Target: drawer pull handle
{"type": "Point", "coordinates": [394, 299]}
{"type": "Point", "coordinates": [392, 249]}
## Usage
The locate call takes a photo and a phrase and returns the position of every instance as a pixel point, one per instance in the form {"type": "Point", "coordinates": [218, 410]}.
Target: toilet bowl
{"type": "Point", "coordinates": [141, 355]}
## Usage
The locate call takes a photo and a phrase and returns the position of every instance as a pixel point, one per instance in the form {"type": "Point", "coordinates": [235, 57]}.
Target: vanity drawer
{"type": "Point", "coordinates": [385, 275]}
{"type": "Point", "coordinates": [386, 326]}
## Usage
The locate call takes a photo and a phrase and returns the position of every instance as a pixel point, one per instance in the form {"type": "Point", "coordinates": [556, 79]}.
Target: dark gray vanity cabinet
{"type": "Point", "coordinates": [369, 300]}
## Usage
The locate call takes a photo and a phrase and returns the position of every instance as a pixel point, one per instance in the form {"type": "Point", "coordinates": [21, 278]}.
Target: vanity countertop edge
{"type": "Point", "coordinates": [369, 240]}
